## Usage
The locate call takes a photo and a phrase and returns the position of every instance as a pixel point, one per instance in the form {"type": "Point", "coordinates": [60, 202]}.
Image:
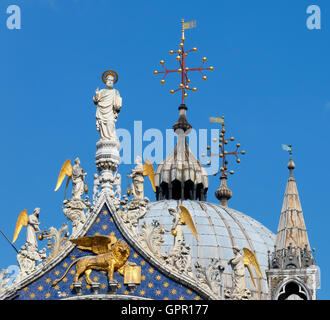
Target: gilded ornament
{"type": "Point", "coordinates": [111, 255]}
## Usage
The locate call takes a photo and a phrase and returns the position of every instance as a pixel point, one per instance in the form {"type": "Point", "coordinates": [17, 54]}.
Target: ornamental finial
{"type": "Point", "coordinates": [183, 70]}
{"type": "Point", "coordinates": [291, 165]}
{"type": "Point", "coordinates": [223, 193]}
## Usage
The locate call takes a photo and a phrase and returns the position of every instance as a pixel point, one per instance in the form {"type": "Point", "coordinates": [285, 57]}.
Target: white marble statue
{"type": "Point", "coordinates": [78, 180]}
{"type": "Point", "coordinates": [137, 179]}
{"type": "Point", "coordinates": [33, 229]}
{"type": "Point", "coordinates": [96, 186]}
{"type": "Point", "coordinates": [176, 230]}
{"type": "Point", "coordinates": [108, 103]}
{"type": "Point", "coordinates": [238, 274]}
{"type": "Point", "coordinates": [117, 184]}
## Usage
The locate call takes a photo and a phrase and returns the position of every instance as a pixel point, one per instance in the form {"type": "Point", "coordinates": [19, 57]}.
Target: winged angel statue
{"type": "Point", "coordinates": [74, 173]}
{"type": "Point", "coordinates": [138, 174]}
{"type": "Point", "coordinates": [29, 254]}
{"type": "Point", "coordinates": [180, 257]}
{"type": "Point", "coordinates": [111, 256]}
{"type": "Point", "coordinates": [238, 264]}
{"type": "Point", "coordinates": [74, 208]}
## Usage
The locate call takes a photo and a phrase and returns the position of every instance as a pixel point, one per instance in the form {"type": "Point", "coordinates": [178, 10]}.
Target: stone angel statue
{"type": "Point", "coordinates": [111, 255]}
{"type": "Point", "coordinates": [74, 173]}
{"type": "Point", "coordinates": [238, 263]}
{"type": "Point", "coordinates": [180, 219]}
{"type": "Point", "coordinates": [108, 103]}
{"type": "Point", "coordinates": [138, 174]}
{"type": "Point", "coordinates": [32, 224]}
{"type": "Point", "coordinates": [29, 255]}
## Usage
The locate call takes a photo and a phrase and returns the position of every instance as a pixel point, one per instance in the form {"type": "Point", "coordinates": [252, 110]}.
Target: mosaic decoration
{"type": "Point", "coordinates": [154, 285]}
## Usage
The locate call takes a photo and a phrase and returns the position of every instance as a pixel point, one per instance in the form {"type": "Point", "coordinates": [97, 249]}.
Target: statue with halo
{"type": "Point", "coordinates": [108, 103]}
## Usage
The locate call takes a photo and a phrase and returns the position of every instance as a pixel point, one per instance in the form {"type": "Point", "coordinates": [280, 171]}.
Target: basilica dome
{"type": "Point", "coordinates": [219, 230]}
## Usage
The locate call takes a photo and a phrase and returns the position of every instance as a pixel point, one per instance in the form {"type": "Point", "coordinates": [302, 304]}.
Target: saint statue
{"type": "Point", "coordinates": [137, 179]}
{"type": "Point", "coordinates": [177, 229]}
{"type": "Point", "coordinates": [78, 180]}
{"type": "Point", "coordinates": [108, 103]}
{"type": "Point", "coordinates": [238, 273]}
{"type": "Point", "coordinates": [32, 229]}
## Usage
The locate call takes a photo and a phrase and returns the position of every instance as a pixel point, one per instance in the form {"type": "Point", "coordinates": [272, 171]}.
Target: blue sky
{"type": "Point", "coordinates": [271, 81]}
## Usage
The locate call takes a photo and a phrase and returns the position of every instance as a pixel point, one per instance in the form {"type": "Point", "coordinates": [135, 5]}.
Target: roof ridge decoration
{"type": "Point", "coordinates": [105, 199]}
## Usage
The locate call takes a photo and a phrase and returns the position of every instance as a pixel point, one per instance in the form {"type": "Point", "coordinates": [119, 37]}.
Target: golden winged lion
{"type": "Point", "coordinates": [111, 256]}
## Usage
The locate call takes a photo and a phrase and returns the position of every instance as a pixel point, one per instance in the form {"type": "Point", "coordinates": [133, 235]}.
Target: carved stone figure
{"type": "Point", "coordinates": [177, 229]}
{"type": "Point", "coordinates": [77, 174]}
{"type": "Point", "coordinates": [180, 259]}
{"type": "Point", "coordinates": [29, 254]}
{"type": "Point", "coordinates": [137, 179]}
{"type": "Point", "coordinates": [27, 259]}
{"type": "Point", "coordinates": [238, 275]}
{"type": "Point", "coordinates": [132, 212]}
{"type": "Point", "coordinates": [117, 185]}
{"type": "Point", "coordinates": [96, 186]}
{"type": "Point", "coordinates": [78, 180]}
{"type": "Point", "coordinates": [74, 210]}
{"type": "Point", "coordinates": [33, 229]}
{"type": "Point", "coordinates": [112, 255]}
{"type": "Point", "coordinates": [108, 103]}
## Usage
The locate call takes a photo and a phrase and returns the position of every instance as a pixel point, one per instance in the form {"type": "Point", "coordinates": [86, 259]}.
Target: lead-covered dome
{"type": "Point", "coordinates": [219, 229]}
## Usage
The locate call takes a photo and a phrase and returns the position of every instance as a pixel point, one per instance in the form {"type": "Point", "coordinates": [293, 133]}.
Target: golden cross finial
{"type": "Point", "coordinates": [183, 70]}
{"type": "Point", "coordinates": [222, 152]}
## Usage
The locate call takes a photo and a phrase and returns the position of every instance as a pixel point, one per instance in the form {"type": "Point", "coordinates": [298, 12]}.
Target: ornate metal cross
{"type": "Point", "coordinates": [222, 152]}
{"type": "Point", "coordinates": [183, 70]}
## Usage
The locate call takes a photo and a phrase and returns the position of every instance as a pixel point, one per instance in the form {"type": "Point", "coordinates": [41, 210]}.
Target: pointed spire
{"type": "Point", "coordinates": [292, 261]}
{"type": "Point", "coordinates": [291, 230]}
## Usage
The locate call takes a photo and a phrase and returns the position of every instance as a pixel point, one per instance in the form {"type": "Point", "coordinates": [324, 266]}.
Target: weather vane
{"type": "Point", "coordinates": [287, 148]}
{"type": "Point", "coordinates": [183, 70]}
{"type": "Point", "coordinates": [222, 152]}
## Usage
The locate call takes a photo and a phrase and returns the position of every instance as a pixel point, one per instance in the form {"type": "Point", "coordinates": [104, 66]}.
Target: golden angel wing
{"type": "Point", "coordinates": [148, 170]}
{"type": "Point", "coordinates": [250, 258]}
{"type": "Point", "coordinates": [96, 244]}
{"type": "Point", "coordinates": [187, 219]}
{"type": "Point", "coordinates": [22, 220]}
{"type": "Point", "coordinates": [251, 274]}
{"type": "Point", "coordinates": [66, 170]}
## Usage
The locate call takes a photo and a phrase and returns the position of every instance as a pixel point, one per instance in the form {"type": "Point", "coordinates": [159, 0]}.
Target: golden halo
{"type": "Point", "coordinates": [107, 73]}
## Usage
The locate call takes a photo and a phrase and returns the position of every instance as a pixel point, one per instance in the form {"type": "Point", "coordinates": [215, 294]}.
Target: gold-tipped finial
{"type": "Point", "coordinates": [223, 193]}
{"type": "Point", "coordinates": [183, 70]}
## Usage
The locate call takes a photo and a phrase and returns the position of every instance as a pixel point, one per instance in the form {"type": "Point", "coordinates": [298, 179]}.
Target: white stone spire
{"type": "Point", "coordinates": [291, 229]}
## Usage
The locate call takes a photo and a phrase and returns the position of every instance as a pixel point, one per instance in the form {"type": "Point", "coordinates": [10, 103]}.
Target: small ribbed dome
{"type": "Point", "coordinates": [219, 229]}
